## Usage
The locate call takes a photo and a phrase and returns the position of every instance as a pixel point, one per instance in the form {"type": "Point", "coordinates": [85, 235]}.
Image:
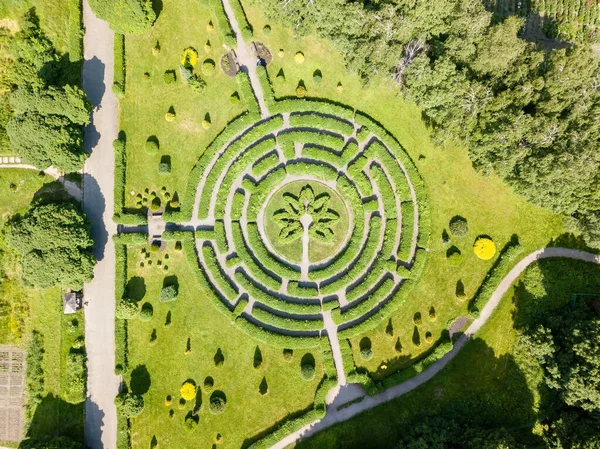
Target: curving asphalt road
{"type": "Point", "coordinates": [334, 416]}
{"type": "Point", "coordinates": [98, 204]}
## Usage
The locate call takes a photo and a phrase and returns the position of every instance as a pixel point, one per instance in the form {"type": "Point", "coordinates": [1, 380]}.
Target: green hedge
{"type": "Point", "coordinates": [379, 294]}
{"type": "Point", "coordinates": [247, 93]}
{"type": "Point", "coordinates": [75, 34]}
{"type": "Point", "coordinates": [362, 262]}
{"type": "Point", "coordinates": [121, 349]}
{"type": "Point", "coordinates": [131, 238]}
{"type": "Point", "coordinates": [120, 150]}
{"type": "Point", "coordinates": [320, 121]}
{"type": "Point", "coordinates": [368, 282]}
{"type": "Point", "coordinates": [501, 267]}
{"type": "Point", "coordinates": [123, 432]}
{"type": "Point", "coordinates": [237, 206]}
{"type": "Point", "coordinates": [386, 191]}
{"type": "Point", "coordinates": [406, 234]}
{"type": "Point", "coordinates": [319, 170]}
{"type": "Point", "coordinates": [265, 164]}
{"type": "Point", "coordinates": [223, 23]}
{"type": "Point", "coordinates": [290, 322]}
{"type": "Point", "coordinates": [75, 378]}
{"type": "Point", "coordinates": [294, 289]}
{"type": "Point", "coordinates": [360, 178]}
{"type": "Point", "coordinates": [310, 137]}
{"type": "Point", "coordinates": [266, 86]}
{"type": "Point", "coordinates": [261, 190]}
{"type": "Point", "coordinates": [313, 105]}
{"type": "Point", "coordinates": [274, 339]}
{"type": "Point", "coordinates": [274, 302]}
{"type": "Point", "coordinates": [173, 236]}
{"type": "Point", "coordinates": [328, 362]}
{"type": "Point", "coordinates": [119, 69]}
{"type": "Point", "coordinates": [284, 429]}
{"type": "Point", "coordinates": [222, 284]}
{"type": "Point", "coordinates": [257, 247]}
{"type": "Point", "coordinates": [220, 237]}
{"type": "Point", "coordinates": [347, 356]}
{"type": "Point", "coordinates": [241, 19]}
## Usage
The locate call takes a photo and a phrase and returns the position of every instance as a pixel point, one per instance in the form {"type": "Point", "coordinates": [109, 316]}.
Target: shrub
{"type": "Point", "coordinates": [126, 310]}
{"type": "Point", "coordinates": [164, 168]}
{"type": "Point", "coordinates": [188, 391]}
{"type": "Point", "coordinates": [217, 402]}
{"type": "Point", "coordinates": [169, 77]}
{"type": "Point", "coordinates": [234, 98]}
{"type": "Point", "coordinates": [317, 78]}
{"type": "Point", "coordinates": [459, 226]}
{"type": "Point", "coordinates": [432, 314]}
{"type": "Point", "coordinates": [267, 30]}
{"type": "Point", "coordinates": [428, 337]}
{"type": "Point", "coordinates": [417, 319]}
{"type": "Point", "coordinates": [299, 57]}
{"type": "Point", "coordinates": [484, 248]}
{"type": "Point", "coordinates": [125, 17]}
{"type": "Point", "coordinates": [155, 204]}
{"type": "Point", "coordinates": [191, 422]}
{"type": "Point", "coordinates": [454, 256]}
{"type": "Point", "coordinates": [78, 343]}
{"type": "Point", "coordinates": [460, 290]}
{"type": "Point", "coordinates": [129, 405]}
{"type": "Point", "coordinates": [168, 401]}
{"type": "Point", "coordinates": [339, 88]}
{"type": "Point", "coordinates": [189, 58]}
{"type": "Point", "coordinates": [300, 91]}
{"type": "Point", "coordinates": [156, 49]}
{"type": "Point", "coordinates": [219, 358]}
{"type": "Point", "coordinates": [208, 66]}
{"type": "Point", "coordinates": [75, 378]}
{"type": "Point", "coordinates": [307, 367]}
{"type": "Point", "coordinates": [207, 47]}
{"type": "Point", "coordinates": [258, 359]}
{"type": "Point", "coordinates": [281, 53]}
{"type": "Point", "coordinates": [169, 293]}
{"type": "Point", "coordinates": [210, 26]}
{"type": "Point", "coordinates": [147, 312]}
{"type": "Point", "coordinates": [197, 84]}
{"type": "Point", "coordinates": [151, 146]}
{"type": "Point", "coordinates": [366, 351]}
{"type": "Point", "coordinates": [206, 124]}
{"type": "Point", "coordinates": [288, 354]}
{"type": "Point", "coordinates": [170, 116]}
{"type": "Point", "coordinates": [209, 383]}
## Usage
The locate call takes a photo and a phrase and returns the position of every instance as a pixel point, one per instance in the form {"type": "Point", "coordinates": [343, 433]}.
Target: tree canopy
{"type": "Point", "coordinates": [125, 16]}
{"type": "Point", "coordinates": [55, 245]}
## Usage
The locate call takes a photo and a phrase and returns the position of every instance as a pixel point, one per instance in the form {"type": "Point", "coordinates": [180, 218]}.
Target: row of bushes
{"type": "Point", "coordinates": [231, 152]}
{"type": "Point", "coordinates": [377, 151]}
{"type": "Point", "coordinates": [298, 291]}
{"type": "Point", "coordinates": [493, 277]}
{"type": "Point", "coordinates": [220, 237]}
{"type": "Point", "coordinates": [312, 137]}
{"type": "Point", "coordinates": [323, 106]}
{"type": "Point", "coordinates": [220, 281]}
{"type": "Point", "coordinates": [319, 154]}
{"type": "Point", "coordinates": [374, 274]}
{"type": "Point", "coordinates": [247, 93]}
{"type": "Point", "coordinates": [381, 292]}
{"type": "Point", "coordinates": [246, 257]}
{"type": "Point", "coordinates": [241, 19]}
{"type": "Point", "coordinates": [121, 349]}
{"type": "Point", "coordinates": [34, 374]}
{"type": "Point", "coordinates": [360, 265]}
{"type": "Point", "coordinates": [265, 164]}
{"type": "Point", "coordinates": [387, 193]}
{"type": "Point", "coordinates": [118, 86]}
{"type": "Point", "coordinates": [290, 322]}
{"type": "Point", "coordinates": [237, 206]}
{"type": "Point", "coordinates": [257, 247]}
{"type": "Point", "coordinates": [75, 379]}
{"type": "Point", "coordinates": [75, 31]}
{"type": "Point", "coordinates": [320, 170]}
{"type": "Point", "coordinates": [406, 235]}
{"type": "Point", "coordinates": [275, 339]}
{"type": "Point", "coordinates": [261, 190]}
{"type": "Point", "coordinates": [266, 86]}
{"type": "Point", "coordinates": [244, 160]}
{"type": "Point", "coordinates": [274, 302]}
{"type": "Point", "coordinates": [119, 216]}
{"type": "Point", "coordinates": [223, 23]}
{"type": "Point", "coordinates": [131, 238]}
{"type": "Point", "coordinates": [321, 121]}
{"type": "Point", "coordinates": [361, 180]}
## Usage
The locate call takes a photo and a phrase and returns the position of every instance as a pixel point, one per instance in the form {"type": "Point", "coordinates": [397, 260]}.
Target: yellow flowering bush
{"type": "Point", "coordinates": [484, 248]}
{"type": "Point", "coordinates": [299, 58]}
{"type": "Point", "coordinates": [188, 391]}
{"type": "Point", "coordinates": [189, 57]}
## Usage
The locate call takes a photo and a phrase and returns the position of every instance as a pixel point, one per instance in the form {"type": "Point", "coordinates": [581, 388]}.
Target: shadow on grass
{"type": "Point", "coordinates": [140, 380]}
{"type": "Point", "coordinates": [55, 417]}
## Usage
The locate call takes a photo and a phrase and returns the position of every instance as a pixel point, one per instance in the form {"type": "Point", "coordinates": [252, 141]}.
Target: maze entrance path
{"type": "Point", "coordinates": [313, 209]}
{"type": "Point", "coordinates": [12, 383]}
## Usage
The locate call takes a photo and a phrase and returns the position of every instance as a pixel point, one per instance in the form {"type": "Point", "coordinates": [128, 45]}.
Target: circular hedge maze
{"type": "Point", "coordinates": [312, 210]}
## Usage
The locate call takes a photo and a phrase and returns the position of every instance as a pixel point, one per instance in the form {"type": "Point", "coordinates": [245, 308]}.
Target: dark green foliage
{"type": "Point", "coordinates": [263, 388]}
{"type": "Point", "coordinates": [54, 443]}
{"type": "Point", "coordinates": [55, 244]}
{"type": "Point", "coordinates": [35, 373]}
{"type": "Point", "coordinates": [169, 293]}
{"type": "Point", "coordinates": [258, 359]}
{"type": "Point", "coordinates": [147, 312]}
{"type": "Point", "coordinates": [366, 351]}
{"type": "Point", "coordinates": [217, 402]}
{"type": "Point", "coordinates": [129, 405]}
{"type": "Point", "coordinates": [126, 16]}
{"type": "Point", "coordinates": [126, 309]}
{"type": "Point", "coordinates": [118, 86]}
{"type": "Point", "coordinates": [191, 421]}
{"type": "Point", "coordinates": [219, 358]}
{"type": "Point", "coordinates": [568, 348]}
{"type": "Point", "coordinates": [459, 226]}
{"type": "Point", "coordinates": [209, 383]}
{"type": "Point", "coordinates": [307, 367]}
{"type": "Point", "coordinates": [75, 381]}
{"type": "Point", "coordinates": [169, 77]}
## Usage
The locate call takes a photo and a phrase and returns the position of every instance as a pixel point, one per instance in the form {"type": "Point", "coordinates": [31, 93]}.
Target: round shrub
{"type": "Point", "coordinates": [191, 422]}
{"type": "Point", "coordinates": [210, 26]}
{"type": "Point", "coordinates": [147, 312]}
{"type": "Point", "coordinates": [168, 401]}
{"type": "Point", "coordinates": [168, 293]}
{"type": "Point", "coordinates": [454, 258]}
{"type": "Point", "coordinates": [155, 204]}
{"type": "Point", "coordinates": [188, 391]}
{"type": "Point", "coordinates": [129, 405]}
{"type": "Point", "coordinates": [299, 58]}
{"type": "Point", "coordinates": [339, 88]}
{"type": "Point", "coordinates": [317, 78]}
{"type": "Point", "coordinates": [151, 146]}
{"type": "Point", "coordinates": [460, 290]}
{"type": "Point", "coordinates": [234, 98]}
{"type": "Point", "coordinates": [281, 53]}
{"type": "Point", "coordinates": [169, 77]}
{"type": "Point", "coordinates": [181, 404]}
{"type": "Point", "coordinates": [417, 319]}
{"type": "Point", "coordinates": [209, 383]}
{"type": "Point", "coordinates": [126, 310]}
{"type": "Point", "coordinates": [459, 226]}
{"type": "Point", "coordinates": [207, 47]}
{"type": "Point", "coordinates": [119, 369]}
{"type": "Point", "coordinates": [164, 167]}
{"type": "Point", "coordinates": [170, 116]}
{"type": "Point", "coordinates": [366, 351]}
{"type": "Point", "coordinates": [206, 124]}
{"type": "Point", "coordinates": [300, 91]}
{"type": "Point", "coordinates": [217, 402]}
{"type": "Point", "coordinates": [208, 66]}
{"type": "Point", "coordinates": [154, 248]}
{"type": "Point", "coordinates": [432, 314]}
{"type": "Point", "coordinates": [428, 337]}
{"type": "Point", "coordinates": [307, 367]}
{"type": "Point", "coordinates": [484, 248]}
{"type": "Point", "coordinates": [156, 49]}
{"type": "Point", "coordinates": [146, 76]}
{"type": "Point", "coordinates": [267, 30]}
{"type": "Point", "coordinates": [288, 354]}
{"type": "Point", "coordinates": [197, 84]}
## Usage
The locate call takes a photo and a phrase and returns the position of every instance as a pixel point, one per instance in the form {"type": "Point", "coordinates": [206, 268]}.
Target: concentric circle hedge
{"type": "Point", "coordinates": [345, 233]}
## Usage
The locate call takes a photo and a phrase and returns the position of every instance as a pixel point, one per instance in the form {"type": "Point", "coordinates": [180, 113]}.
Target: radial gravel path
{"type": "Point", "coordinates": [98, 204]}
{"type": "Point", "coordinates": [336, 416]}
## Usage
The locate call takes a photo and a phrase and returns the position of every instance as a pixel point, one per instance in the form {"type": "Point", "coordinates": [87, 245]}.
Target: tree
{"type": "Point", "coordinates": [54, 443]}
{"type": "Point", "coordinates": [55, 244]}
{"type": "Point", "coordinates": [125, 16]}
{"type": "Point", "coordinates": [129, 405]}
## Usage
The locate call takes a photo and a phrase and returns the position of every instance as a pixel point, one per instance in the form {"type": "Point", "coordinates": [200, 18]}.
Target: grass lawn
{"type": "Point", "coordinates": [453, 188]}
{"type": "Point", "coordinates": [181, 24]}
{"type": "Point", "coordinates": [159, 364]}
{"type": "Point", "coordinates": [26, 309]}
{"type": "Point", "coordinates": [490, 382]}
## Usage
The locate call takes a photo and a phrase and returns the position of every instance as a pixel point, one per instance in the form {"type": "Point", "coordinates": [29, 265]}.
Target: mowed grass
{"type": "Point", "coordinates": [453, 188]}
{"type": "Point", "coordinates": [38, 310]}
{"type": "Point", "coordinates": [491, 382]}
{"type": "Point", "coordinates": [196, 324]}
{"type": "Point", "coordinates": [180, 25]}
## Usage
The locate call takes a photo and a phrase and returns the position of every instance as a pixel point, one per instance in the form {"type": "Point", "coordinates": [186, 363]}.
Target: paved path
{"type": "Point", "coordinates": [335, 416]}
{"type": "Point", "coordinates": [98, 204]}
{"type": "Point", "coordinates": [246, 59]}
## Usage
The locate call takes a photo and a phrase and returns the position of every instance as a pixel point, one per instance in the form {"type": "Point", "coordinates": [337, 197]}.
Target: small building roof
{"type": "Point", "coordinates": [71, 302]}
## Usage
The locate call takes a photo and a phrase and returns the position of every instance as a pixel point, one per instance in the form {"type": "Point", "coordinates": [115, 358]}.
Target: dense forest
{"type": "Point", "coordinates": [527, 110]}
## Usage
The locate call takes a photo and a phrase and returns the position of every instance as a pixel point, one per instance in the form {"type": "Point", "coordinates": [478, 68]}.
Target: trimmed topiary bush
{"type": "Point", "coordinates": [459, 226]}
{"type": "Point", "coordinates": [484, 248]}
{"type": "Point", "coordinates": [288, 354]}
{"type": "Point", "coordinates": [432, 314]}
{"type": "Point", "coordinates": [126, 310]}
{"type": "Point", "coordinates": [155, 205]}
{"type": "Point", "coordinates": [170, 116]}
{"type": "Point", "coordinates": [164, 167]}
{"type": "Point", "coordinates": [219, 358]}
{"type": "Point", "coordinates": [188, 390]}
{"type": "Point", "coordinates": [191, 421]}
{"type": "Point", "coordinates": [151, 146]}
{"type": "Point", "coordinates": [366, 351]}
{"type": "Point", "coordinates": [267, 30]}
{"type": "Point", "coordinates": [217, 402]}
{"type": "Point", "coordinates": [169, 293]}
{"type": "Point", "coordinates": [209, 383]}
{"type": "Point", "coordinates": [147, 312]}
{"type": "Point", "coordinates": [299, 58]}
{"type": "Point", "coordinates": [208, 67]}
{"type": "Point", "coordinates": [454, 256]}
{"type": "Point", "coordinates": [317, 78]}
{"type": "Point", "coordinates": [428, 337]}
{"type": "Point", "coordinates": [129, 405]}
{"type": "Point", "coordinates": [169, 77]}
{"type": "Point", "coordinates": [417, 319]}
{"type": "Point", "coordinates": [307, 367]}
{"type": "Point", "coordinates": [300, 91]}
